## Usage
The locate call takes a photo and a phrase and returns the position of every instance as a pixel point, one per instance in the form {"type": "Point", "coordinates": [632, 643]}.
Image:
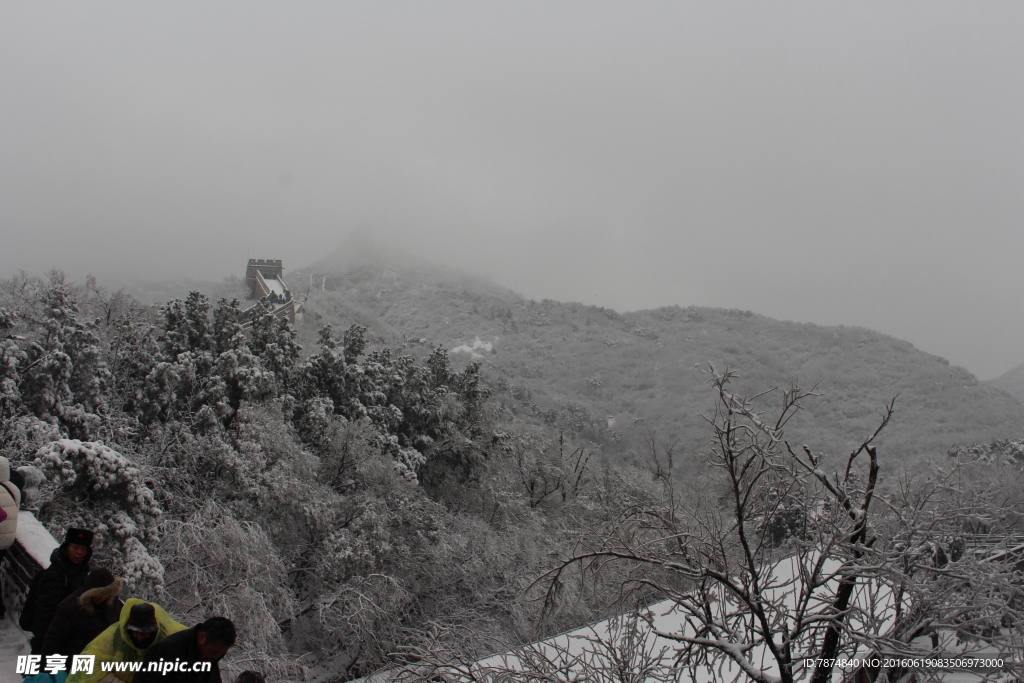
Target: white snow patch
{"type": "Point", "coordinates": [35, 539]}
{"type": "Point", "coordinates": [472, 349]}
{"type": "Point", "coordinates": [275, 285]}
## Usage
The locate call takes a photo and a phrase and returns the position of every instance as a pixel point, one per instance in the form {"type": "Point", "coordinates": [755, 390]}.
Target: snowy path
{"type": "Point", "coordinates": [12, 643]}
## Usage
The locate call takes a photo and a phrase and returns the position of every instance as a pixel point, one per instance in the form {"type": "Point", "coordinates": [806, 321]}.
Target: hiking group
{"type": "Point", "coordinates": [72, 609]}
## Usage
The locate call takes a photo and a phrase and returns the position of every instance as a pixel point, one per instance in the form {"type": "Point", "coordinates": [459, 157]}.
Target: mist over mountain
{"type": "Point", "coordinates": [612, 377]}
{"type": "Point", "coordinates": [1012, 382]}
{"type": "Point", "coordinates": [615, 377]}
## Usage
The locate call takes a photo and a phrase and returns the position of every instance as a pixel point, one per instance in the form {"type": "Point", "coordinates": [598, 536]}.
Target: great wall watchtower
{"type": "Point", "coordinates": [268, 268]}
{"type": "Point", "coordinates": [265, 278]}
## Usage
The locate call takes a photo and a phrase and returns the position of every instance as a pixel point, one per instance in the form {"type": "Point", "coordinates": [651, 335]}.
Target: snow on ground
{"type": "Point", "coordinates": [38, 544]}
{"type": "Point", "coordinates": [587, 649]}
{"type": "Point", "coordinates": [35, 539]}
{"type": "Point", "coordinates": [589, 646]}
{"type": "Point", "coordinates": [583, 653]}
{"type": "Point", "coordinates": [12, 644]}
{"type": "Point", "coordinates": [275, 285]}
{"type": "Point", "coordinates": [477, 345]}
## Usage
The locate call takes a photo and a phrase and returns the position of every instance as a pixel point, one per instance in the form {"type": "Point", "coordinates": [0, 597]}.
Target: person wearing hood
{"type": "Point", "coordinates": [10, 501]}
{"type": "Point", "coordinates": [139, 625]}
{"type": "Point", "coordinates": [69, 565]}
{"type": "Point", "coordinates": [84, 614]}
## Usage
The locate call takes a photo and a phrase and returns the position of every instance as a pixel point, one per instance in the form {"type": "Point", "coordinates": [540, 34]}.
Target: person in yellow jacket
{"type": "Point", "coordinates": [141, 624]}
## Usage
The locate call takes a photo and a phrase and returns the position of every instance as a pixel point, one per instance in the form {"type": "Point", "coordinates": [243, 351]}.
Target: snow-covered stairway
{"type": "Point", "coordinates": [12, 643]}
{"type": "Point", "coordinates": [29, 554]}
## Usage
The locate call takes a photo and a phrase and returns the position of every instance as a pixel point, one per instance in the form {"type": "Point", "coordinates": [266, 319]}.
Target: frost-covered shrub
{"type": "Point", "coordinates": [24, 435]}
{"type": "Point", "coordinates": [102, 490]}
{"type": "Point", "coordinates": [1000, 451]}
{"type": "Point", "coordinates": [101, 471]}
{"type": "Point", "coordinates": [218, 565]}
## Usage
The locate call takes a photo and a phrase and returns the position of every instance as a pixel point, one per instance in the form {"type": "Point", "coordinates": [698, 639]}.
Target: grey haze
{"type": "Point", "coordinates": [857, 163]}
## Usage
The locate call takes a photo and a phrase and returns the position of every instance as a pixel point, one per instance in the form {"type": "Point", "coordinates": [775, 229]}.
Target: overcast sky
{"type": "Point", "coordinates": [858, 163]}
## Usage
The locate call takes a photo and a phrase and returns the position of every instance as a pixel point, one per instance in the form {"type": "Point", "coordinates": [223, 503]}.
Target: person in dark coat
{"type": "Point", "coordinates": [207, 642]}
{"type": "Point", "coordinates": [84, 614]}
{"type": "Point", "coordinates": [250, 677]}
{"type": "Point", "coordinates": [69, 565]}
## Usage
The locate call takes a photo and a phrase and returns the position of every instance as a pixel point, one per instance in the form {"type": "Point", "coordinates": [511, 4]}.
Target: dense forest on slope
{"type": "Point", "coordinates": [614, 377]}
{"type": "Point", "coordinates": [376, 495]}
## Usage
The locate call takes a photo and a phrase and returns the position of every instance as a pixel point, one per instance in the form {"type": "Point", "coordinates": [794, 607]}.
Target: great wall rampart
{"type": "Point", "coordinates": [265, 278]}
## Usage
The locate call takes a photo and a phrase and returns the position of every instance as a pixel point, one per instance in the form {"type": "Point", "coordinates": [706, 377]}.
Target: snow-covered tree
{"type": "Point", "coordinates": [861, 569]}
{"type": "Point", "coordinates": [422, 413]}
{"type": "Point", "coordinates": [216, 564]}
{"type": "Point", "coordinates": [204, 370]}
{"type": "Point", "coordinates": [273, 339]}
{"type": "Point", "coordinates": [59, 367]}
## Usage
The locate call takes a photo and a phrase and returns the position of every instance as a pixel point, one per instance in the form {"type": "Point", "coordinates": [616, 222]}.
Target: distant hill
{"type": "Point", "coordinates": [1011, 382]}
{"type": "Point", "coordinates": [607, 375]}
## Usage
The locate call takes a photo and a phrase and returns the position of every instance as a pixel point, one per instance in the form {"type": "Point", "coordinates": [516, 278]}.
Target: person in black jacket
{"type": "Point", "coordinates": [250, 677]}
{"type": "Point", "coordinates": [84, 614]}
{"type": "Point", "coordinates": [207, 642]}
{"type": "Point", "coordinates": [69, 565]}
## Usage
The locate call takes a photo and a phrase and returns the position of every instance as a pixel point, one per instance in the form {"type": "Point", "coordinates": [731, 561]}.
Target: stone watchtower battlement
{"type": "Point", "coordinates": [268, 268]}
{"type": "Point", "coordinates": [265, 278]}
